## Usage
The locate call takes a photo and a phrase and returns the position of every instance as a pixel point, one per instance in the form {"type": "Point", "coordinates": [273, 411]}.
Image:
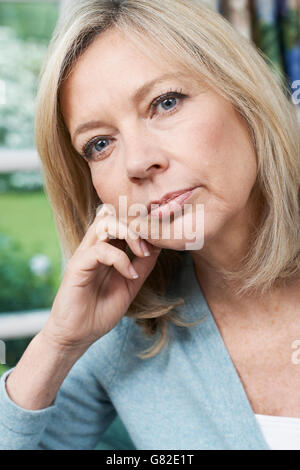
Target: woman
{"type": "Point", "coordinates": [140, 99]}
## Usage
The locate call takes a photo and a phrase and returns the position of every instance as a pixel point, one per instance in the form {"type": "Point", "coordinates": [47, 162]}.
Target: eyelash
{"type": "Point", "coordinates": [85, 150]}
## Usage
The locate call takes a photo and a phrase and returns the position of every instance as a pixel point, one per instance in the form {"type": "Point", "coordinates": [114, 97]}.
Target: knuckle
{"type": "Point", "coordinates": [105, 209]}
{"type": "Point", "coordinates": [97, 249]}
{"type": "Point", "coordinates": [132, 236]}
{"type": "Point", "coordinates": [124, 258]}
{"type": "Point", "coordinates": [109, 254]}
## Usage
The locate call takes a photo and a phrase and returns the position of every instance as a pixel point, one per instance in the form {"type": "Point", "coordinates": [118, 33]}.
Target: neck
{"type": "Point", "coordinates": [226, 251]}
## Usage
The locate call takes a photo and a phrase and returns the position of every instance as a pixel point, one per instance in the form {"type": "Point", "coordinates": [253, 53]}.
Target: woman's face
{"type": "Point", "coordinates": [193, 139]}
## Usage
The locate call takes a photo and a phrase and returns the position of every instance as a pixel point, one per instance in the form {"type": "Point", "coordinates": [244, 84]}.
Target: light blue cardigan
{"type": "Point", "coordinates": [189, 396]}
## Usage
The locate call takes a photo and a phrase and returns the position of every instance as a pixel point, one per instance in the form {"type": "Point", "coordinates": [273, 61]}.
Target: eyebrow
{"type": "Point", "coordinates": [138, 96]}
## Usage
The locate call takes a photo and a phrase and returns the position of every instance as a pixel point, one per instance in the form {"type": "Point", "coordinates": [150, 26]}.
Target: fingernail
{"type": "Point", "coordinates": [145, 248]}
{"type": "Point", "coordinates": [133, 272]}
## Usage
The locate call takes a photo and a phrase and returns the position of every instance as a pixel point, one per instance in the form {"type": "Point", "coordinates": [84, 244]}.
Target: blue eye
{"type": "Point", "coordinates": [94, 145]}
{"type": "Point", "coordinates": [171, 96]}
{"type": "Point", "coordinates": [97, 145]}
{"type": "Point", "coordinates": [168, 100]}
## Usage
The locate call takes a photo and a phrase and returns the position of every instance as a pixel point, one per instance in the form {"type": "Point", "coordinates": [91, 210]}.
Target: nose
{"type": "Point", "coordinates": [143, 154]}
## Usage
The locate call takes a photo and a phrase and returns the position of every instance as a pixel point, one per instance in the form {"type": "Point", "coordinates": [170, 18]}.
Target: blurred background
{"type": "Point", "coordinates": [30, 258]}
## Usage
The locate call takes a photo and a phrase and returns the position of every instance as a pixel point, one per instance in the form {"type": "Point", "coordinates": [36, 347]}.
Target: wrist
{"type": "Point", "coordinates": [37, 377]}
{"type": "Point", "coordinates": [59, 347]}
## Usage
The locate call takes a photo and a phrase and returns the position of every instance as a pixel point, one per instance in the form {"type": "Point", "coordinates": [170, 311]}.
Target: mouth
{"type": "Point", "coordinates": [170, 203]}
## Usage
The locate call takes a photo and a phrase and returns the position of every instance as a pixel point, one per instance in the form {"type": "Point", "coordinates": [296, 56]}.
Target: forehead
{"type": "Point", "coordinates": [114, 64]}
{"type": "Point", "coordinates": [113, 51]}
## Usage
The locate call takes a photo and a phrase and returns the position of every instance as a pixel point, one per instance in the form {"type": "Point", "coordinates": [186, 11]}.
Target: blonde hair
{"type": "Point", "coordinates": [204, 43]}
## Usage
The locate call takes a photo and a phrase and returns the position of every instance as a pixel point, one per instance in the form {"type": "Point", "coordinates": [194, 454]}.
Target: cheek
{"type": "Point", "coordinates": [224, 156]}
{"type": "Point", "coordinates": [97, 183]}
{"type": "Point", "coordinates": [207, 142]}
{"type": "Point", "coordinates": [101, 185]}
{"type": "Point", "coordinates": [105, 189]}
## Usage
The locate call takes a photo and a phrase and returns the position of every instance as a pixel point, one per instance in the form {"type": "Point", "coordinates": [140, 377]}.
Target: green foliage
{"type": "Point", "coordinates": [290, 30]}
{"type": "Point", "coordinates": [14, 351]}
{"type": "Point", "coordinates": [21, 288]}
{"type": "Point", "coordinates": [267, 40]}
{"type": "Point", "coordinates": [25, 31]}
{"type": "Point", "coordinates": [32, 21]}
{"type": "Point", "coordinates": [3, 368]}
{"type": "Point", "coordinates": [20, 64]}
{"type": "Point", "coordinates": [21, 181]}
{"type": "Point", "coordinates": [28, 219]}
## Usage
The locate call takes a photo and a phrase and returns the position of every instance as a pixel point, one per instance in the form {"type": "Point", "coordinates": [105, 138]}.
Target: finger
{"type": "Point", "coordinates": [85, 265]}
{"type": "Point", "coordinates": [105, 209]}
{"type": "Point", "coordinates": [90, 237]}
{"type": "Point", "coordinates": [109, 228]}
{"type": "Point", "coordinates": [143, 267]}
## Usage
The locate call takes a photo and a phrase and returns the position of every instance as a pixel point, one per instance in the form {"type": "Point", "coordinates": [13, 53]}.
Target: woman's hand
{"type": "Point", "coordinates": [98, 288]}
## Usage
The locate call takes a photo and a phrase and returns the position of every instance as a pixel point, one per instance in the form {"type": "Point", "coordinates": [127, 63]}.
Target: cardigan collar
{"type": "Point", "coordinates": [234, 415]}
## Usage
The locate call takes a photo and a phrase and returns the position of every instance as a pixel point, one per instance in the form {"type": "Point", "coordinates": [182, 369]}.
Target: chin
{"type": "Point", "coordinates": [179, 245]}
{"type": "Point", "coordinates": [180, 234]}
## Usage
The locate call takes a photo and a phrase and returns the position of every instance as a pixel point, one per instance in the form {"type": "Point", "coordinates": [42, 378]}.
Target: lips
{"type": "Point", "coordinates": [168, 197]}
